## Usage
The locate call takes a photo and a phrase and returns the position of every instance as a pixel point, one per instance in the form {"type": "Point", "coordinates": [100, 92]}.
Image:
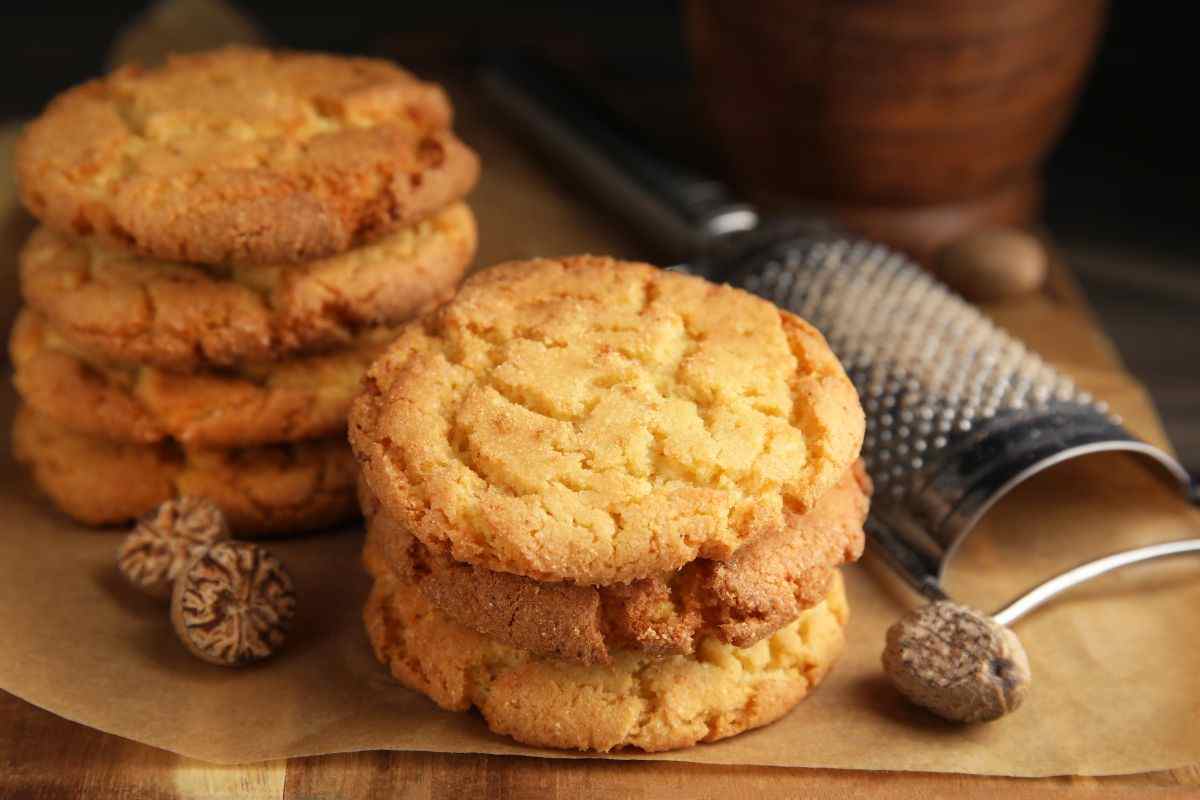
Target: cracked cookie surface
{"type": "Point", "coordinates": [180, 316]}
{"type": "Point", "coordinates": [244, 156]}
{"type": "Point", "coordinates": [637, 701]}
{"type": "Point", "coordinates": [601, 421]}
{"type": "Point", "coordinates": [766, 585]}
{"type": "Point", "coordinates": [276, 401]}
{"type": "Point", "coordinates": [267, 490]}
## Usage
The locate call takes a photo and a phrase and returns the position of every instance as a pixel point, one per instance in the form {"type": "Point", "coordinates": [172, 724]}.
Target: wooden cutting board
{"type": "Point", "coordinates": [43, 756]}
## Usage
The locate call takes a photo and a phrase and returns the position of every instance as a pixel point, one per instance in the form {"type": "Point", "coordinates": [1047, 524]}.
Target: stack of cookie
{"type": "Point", "coordinates": [227, 242]}
{"type": "Point", "coordinates": [607, 505]}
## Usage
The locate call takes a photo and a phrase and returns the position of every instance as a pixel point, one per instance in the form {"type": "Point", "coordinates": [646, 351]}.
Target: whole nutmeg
{"type": "Point", "coordinates": [233, 604]}
{"type": "Point", "coordinates": [993, 264]}
{"type": "Point", "coordinates": [959, 663]}
{"type": "Point", "coordinates": [164, 540]}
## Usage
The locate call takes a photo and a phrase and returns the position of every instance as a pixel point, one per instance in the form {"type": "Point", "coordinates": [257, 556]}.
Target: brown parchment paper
{"type": "Point", "coordinates": [1116, 664]}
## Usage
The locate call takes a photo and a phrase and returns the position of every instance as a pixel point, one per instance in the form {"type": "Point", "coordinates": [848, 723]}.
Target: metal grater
{"type": "Point", "coordinates": [958, 412]}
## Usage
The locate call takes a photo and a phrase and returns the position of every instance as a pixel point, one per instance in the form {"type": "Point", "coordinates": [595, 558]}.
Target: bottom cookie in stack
{"type": "Point", "coordinates": [109, 442]}
{"type": "Point", "coordinates": [263, 490]}
{"type": "Point", "coordinates": [707, 652]}
{"type": "Point", "coordinates": [640, 700]}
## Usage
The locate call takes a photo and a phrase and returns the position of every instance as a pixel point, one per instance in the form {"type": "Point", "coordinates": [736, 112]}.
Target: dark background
{"type": "Point", "coordinates": [1130, 156]}
{"type": "Point", "coordinates": [1122, 186]}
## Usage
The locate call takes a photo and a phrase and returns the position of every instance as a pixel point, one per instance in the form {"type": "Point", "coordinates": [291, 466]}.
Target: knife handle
{"type": "Point", "coordinates": [682, 212]}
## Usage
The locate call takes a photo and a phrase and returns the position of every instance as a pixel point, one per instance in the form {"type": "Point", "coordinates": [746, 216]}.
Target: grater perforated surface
{"type": "Point", "coordinates": [929, 367]}
{"type": "Point", "coordinates": [957, 409]}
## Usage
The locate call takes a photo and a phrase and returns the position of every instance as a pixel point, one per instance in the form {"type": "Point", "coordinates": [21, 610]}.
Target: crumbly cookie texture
{"type": "Point", "coordinates": [177, 316]}
{"type": "Point", "coordinates": [243, 155]}
{"type": "Point", "coordinates": [284, 401]}
{"type": "Point", "coordinates": [764, 586]}
{"type": "Point", "coordinates": [638, 701]}
{"type": "Point", "coordinates": [601, 421]}
{"type": "Point", "coordinates": [269, 490]}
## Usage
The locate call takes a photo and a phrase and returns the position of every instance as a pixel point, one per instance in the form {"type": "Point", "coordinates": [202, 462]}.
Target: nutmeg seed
{"type": "Point", "coordinates": [994, 264]}
{"type": "Point", "coordinates": [163, 541]}
{"type": "Point", "coordinates": [233, 604]}
{"type": "Point", "coordinates": [959, 663]}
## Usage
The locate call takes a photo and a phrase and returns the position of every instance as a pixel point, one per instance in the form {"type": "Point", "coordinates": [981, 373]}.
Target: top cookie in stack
{"type": "Point", "coordinates": [607, 504]}
{"type": "Point", "coordinates": [228, 240]}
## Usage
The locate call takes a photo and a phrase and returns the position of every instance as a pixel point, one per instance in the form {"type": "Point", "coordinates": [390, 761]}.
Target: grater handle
{"type": "Point", "coordinates": [683, 212]}
{"type": "Point", "coordinates": [1043, 592]}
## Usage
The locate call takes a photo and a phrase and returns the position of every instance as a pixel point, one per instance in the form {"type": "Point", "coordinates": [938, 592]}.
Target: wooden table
{"type": "Point", "coordinates": [43, 757]}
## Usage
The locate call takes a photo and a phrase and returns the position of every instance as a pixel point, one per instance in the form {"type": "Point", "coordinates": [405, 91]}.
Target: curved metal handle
{"type": "Point", "coordinates": [1085, 572]}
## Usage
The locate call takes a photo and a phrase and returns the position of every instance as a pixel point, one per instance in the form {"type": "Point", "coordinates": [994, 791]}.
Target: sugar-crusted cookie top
{"type": "Point", "coordinates": [599, 421]}
{"type": "Point", "coordinates": [244, 155]}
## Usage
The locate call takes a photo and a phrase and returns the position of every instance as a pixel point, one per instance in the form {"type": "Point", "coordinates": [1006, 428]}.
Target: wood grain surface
{"type": "Point", "coordinates": [43, 757]}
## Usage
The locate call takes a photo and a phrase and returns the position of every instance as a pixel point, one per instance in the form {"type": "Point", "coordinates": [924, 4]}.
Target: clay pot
{"type": "Point", "coordinates": [874, 109]}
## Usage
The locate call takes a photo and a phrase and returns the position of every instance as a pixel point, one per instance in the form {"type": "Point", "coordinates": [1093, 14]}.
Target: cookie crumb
{"type": "Point", "coordinates": [233, 604]}
{"type": "Point", "coordinates": [164, 540]}
{"type": "Point", "coordinates": [957, 662]}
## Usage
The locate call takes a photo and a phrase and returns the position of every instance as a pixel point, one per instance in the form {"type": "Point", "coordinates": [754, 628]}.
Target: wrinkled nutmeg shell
{"type": "Point", "coordinates": [233, 604]}
{"type": "Point", "coordinates": [163, 541]}
{"type": "Point", "coordinates": [957, 662]}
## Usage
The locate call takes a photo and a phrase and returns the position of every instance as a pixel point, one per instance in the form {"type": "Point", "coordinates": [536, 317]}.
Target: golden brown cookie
{"type": "Point", "coordinates": [765, 586]}
{"type": "Point", "coordinates": [186, 317]}
{"type": "Point", "coordinates": [275, 401]}
{"type": "Point", "coordinates": [276, 489]}
{"type": "Point", "coordinates": [601, 421]}
{"type": "Point", "coordinates": [244, 156]}
{"type": "Point", "coordinates": [637, 701]}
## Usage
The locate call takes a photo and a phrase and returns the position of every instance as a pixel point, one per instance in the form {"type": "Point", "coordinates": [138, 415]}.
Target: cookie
{"type": "Point", "coordinates": [639, 700]}
{"type": "Point", "coordinates": [188, 317]}
{"type": "Point", "coordinates": [600, 421]}
{"type": "Point", "coordinates": [244, 156]}
{"type": "Point", "coordinates": [766, 585]}
{"type": "Point", "coordinates": [276, 489]}
{"type": "Point", "coordinates": [275, 401]}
